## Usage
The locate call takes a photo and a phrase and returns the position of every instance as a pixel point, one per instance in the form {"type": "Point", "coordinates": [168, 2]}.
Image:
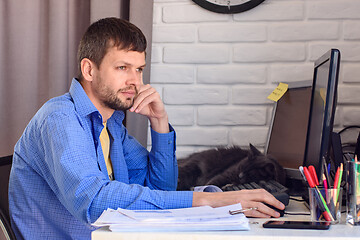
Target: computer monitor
{"type": "Point", "coordinates": [322, 110]}
{"type": "Point", "coordinates": [302, 121]}
{"type": "Point", "coordinates": [288, 128]}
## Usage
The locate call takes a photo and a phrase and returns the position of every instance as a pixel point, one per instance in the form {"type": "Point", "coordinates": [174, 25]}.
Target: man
{"type": "Point", "coordinates": [76, 159]}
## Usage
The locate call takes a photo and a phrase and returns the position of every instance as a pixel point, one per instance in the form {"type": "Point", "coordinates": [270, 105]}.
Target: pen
{"type": "Point", "coordinates": [326, 172]}
{"type": "Point", "coordinates": [326, 187]}
{"type": "Point", "coordinates": [242, 210]}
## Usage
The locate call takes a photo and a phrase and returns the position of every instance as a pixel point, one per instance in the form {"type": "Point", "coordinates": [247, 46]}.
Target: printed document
{"type": "Point", "coordinates": [185, 219]}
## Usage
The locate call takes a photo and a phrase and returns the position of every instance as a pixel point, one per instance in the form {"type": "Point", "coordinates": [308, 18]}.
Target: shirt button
{"type": "Point", "coordinates": [170, 142]}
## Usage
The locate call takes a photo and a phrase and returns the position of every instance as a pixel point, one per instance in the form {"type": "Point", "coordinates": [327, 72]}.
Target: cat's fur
{"type": "Point", "coordinates": [224, 166]}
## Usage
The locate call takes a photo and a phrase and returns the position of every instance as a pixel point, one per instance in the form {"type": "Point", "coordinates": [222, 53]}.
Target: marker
{"type": "Point", "coordinates": [339, 183]}
{"type": "Point", "coordinates": [313, 174]}
{"type": "Point", "coordinates": [309, 177]}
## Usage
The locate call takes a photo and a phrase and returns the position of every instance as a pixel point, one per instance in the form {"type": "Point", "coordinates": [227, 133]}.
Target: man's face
{"type": "Point", "coordinates": [117, 80]}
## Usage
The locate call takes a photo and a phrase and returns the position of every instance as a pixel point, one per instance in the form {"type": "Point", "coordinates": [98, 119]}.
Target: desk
{"type": "Point", "coordinates": [257, 232]}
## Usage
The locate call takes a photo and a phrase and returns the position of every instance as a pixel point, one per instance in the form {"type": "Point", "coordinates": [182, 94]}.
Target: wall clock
{"type": "Point", "coordinates": [228, 6]}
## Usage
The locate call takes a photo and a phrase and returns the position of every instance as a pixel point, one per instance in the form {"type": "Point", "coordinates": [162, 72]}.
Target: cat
{"type": "Point", "coordinates": [224, 166]}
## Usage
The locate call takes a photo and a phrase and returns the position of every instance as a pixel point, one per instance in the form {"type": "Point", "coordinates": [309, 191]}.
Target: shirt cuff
{"type": "Point", "coordinates": [178, 199]}
{"type": "Point", "coordinates": [164, 141]}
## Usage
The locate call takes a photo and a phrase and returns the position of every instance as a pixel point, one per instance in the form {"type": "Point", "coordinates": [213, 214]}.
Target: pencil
{"type": "Point", "coordinates": [336, 180]}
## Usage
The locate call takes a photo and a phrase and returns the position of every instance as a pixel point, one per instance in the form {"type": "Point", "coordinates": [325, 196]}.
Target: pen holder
{"type": "Point", "coordinates": [352, 171]}
{"type": "Point", "coordinates": [325, 204]}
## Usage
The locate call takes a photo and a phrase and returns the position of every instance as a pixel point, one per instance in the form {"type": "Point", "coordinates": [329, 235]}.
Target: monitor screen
{"type": "Point", "coordinates": [287, 132]}
{"type": "Point", "coordinates": [302, 120]}
{"type": "Point", "coordinates": [322, 110]}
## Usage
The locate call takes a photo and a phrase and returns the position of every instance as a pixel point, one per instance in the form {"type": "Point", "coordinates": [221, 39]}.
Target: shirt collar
{"type": "Point", "coordinates": [118, 117]}
{"type": "Point", "coordinates": [83, 104]}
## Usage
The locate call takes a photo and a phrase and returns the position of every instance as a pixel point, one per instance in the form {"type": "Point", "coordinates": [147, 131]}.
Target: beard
{"type": "Point", "coordinates": [110, 99]}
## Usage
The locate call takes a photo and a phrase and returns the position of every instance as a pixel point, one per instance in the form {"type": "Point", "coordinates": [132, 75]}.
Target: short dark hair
{"type": "Point", "coordinates": [106, 33]}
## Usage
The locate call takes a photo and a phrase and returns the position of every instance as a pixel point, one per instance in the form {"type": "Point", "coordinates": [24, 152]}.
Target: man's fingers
{"type": "Point", "coordinates": [258, 198]}
{"type": "Point", "coordinates": [144, 92]}
{"type": "Point", "coordinates": [149, 103]}
{"type": "Point", "coordinates": [262, 211]}
{"type": "Point", "coordinates": [261, 195]}
{"type": "Point", "coordinates": [145, 100]}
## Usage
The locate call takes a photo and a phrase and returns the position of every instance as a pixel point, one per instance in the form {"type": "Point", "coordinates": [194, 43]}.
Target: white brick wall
{"type": "Point", "coordinates": [231, 74]}
{"type": "Point", "coordinates": [214, 71]}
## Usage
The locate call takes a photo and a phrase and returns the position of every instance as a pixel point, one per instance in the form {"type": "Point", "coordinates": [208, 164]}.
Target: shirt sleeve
{"type": "Point", "coordinates": [72, 172]}
{"type": "Point", "coordinates": [163, 169]}
{"type": "Point", "coordinates": [157, 169]}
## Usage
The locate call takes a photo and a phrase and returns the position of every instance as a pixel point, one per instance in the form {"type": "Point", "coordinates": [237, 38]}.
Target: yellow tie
{"type": "Point", "coordinates": [105, 145]}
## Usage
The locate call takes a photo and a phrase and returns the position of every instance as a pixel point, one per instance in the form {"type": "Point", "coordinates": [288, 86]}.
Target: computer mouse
{"type": "Point", "coordinates": [282, 212]}
{"type": "Point", "coordinates": [282, 197]}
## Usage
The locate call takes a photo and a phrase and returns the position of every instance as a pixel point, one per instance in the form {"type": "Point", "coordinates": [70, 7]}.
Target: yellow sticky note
{"type": "Point", "coordinates": [323, 95]}
{"type": "Point", "coordinates": [279, 91]}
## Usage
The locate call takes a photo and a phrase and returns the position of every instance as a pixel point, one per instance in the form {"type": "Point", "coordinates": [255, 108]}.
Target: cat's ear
{"type": "Point", "coordinates": [254, 150]}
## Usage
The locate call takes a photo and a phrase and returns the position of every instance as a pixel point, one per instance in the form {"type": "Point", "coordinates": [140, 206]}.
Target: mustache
{"type": "Point", "coordinates": [132, 87]}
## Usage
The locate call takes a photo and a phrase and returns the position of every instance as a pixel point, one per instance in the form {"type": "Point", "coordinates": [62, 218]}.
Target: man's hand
{"type": "Point", "coordinates": [248, 199]}
{"type": "Point", "coordinates": [149, 103]}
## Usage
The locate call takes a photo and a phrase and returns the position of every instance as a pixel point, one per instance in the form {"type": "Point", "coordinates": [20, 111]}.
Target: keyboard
{"type": "Point", "coordinates": [279, 191]}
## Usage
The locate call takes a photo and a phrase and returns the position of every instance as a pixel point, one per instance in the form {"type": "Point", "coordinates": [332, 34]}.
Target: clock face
{"type": "Point", "coordinates": [228, 6]}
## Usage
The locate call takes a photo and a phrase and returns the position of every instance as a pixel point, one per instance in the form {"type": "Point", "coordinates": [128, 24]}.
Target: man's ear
{"type": "Point", "coordinates": [87, 69]}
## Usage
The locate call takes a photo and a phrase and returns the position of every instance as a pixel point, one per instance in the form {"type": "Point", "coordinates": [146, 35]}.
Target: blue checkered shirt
{"type": "Point", "coordinates": [59, 183]}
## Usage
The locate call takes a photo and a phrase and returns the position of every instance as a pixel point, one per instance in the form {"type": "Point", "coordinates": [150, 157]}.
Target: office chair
{"type": "Point", "coordinates": [5, 228]}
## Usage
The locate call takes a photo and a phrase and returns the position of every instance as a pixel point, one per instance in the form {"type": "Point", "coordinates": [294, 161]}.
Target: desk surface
{"type": "Point", "coordinates": [337, 231]}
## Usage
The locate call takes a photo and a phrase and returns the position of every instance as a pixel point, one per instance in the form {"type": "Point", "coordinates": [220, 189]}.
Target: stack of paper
{"type": "Point", "coordinates": [186, 219]}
